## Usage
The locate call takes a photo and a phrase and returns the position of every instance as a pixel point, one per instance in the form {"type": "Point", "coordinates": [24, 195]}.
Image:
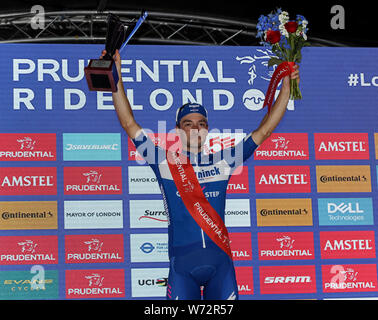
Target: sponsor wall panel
{"type": "Point", "coordinates": [82, 214]}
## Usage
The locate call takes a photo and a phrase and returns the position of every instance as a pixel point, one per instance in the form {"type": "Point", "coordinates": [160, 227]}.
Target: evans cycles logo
{"type": "Point", "coordinates": [92, 180]}
{"type": "Point", "coordinates": [27, 147]}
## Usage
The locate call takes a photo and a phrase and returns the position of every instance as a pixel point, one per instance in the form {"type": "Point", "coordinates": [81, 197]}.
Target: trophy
{"type": "Point", "coordinates": [101, 74]}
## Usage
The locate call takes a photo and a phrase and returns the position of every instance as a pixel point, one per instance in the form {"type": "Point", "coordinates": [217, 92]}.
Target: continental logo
{"type": "Point", "coordinates": [24, 215]}
{"type": "Point", "coordinates": [343, 178]}
{"type": "Point", "coordinates": [284, 212]}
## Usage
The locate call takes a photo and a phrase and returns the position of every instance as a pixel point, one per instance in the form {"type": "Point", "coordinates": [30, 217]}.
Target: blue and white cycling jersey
{"type": "Point", "coordinates": [213, 172]}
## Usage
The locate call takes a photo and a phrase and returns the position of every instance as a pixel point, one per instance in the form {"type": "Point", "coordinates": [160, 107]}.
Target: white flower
{"type": "Point", "coordinates": [283, 30]}
{"type": "Point", "coordinates": [304, 36]}
{"type": "Point", "coordinates": [283, 17]}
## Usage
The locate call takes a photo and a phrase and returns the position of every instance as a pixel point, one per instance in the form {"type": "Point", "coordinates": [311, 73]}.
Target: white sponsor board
{"type": "Point", "coordinates": [105, 214]}
{"type": "Point", "coordinates": [149, 247]}
{"type": "Point", "coordinates": [147, 214]}
{"type": "Point", "coordinates": [149, 282]}
{"type": "Point", "coordinates": [142, 180]}
{"type": "Point", "coordinates": [237, 213]}
{"type": "Point", "coordinates": [151, 213]}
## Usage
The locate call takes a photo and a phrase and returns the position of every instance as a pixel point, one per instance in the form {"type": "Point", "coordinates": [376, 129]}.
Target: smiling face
{"type": "Point", "coordinates": [193, 131]}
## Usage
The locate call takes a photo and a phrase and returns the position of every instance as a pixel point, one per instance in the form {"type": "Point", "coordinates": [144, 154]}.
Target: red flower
{"type": "Point", "coordinates": [273, 36]}
{"type": "Point", "coordinates": [291, 26]}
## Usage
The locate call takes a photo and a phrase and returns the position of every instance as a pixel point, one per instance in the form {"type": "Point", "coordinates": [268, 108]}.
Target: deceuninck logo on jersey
{"type": "Point", "coordinates": [286, 245]}
{"type": "Point", "coordinates": [283, 146]}
{"type": "Point", "coordinates": [95, 283]}
{"type": "Point", "coordinates": [91, 146]}
{"type": "Point", "coordinates": [287, 279]}
{"type": "Point", "coordinates": [244, 279]}
{"type": "Point", "coordinates": [353, 178]}
{"type": "Point", "coordinates": [349, 278]}
{"type": "Point", "coordinates": [94, 248]}
{"type": "Point", "coordinates": [16, 250]}
{"type": "Point", "coordinates": [23, 215]}
{"type": "Point", "coordinates": [241, 245]}
{"type": "Point", "coordinates": [282, 179]}
{"type": "Point", "coordinates": [284, 212]}
{"type": "Point", "coordinates": [347, 244]}
{"type": "Point", "coordinates": [92, 180]}
{"type": "Point", "coordinates": [341, 146]}
{"type": "Point", "coordinates": [28, 181]}
{"type": "Point", "coordinates": [27, 147]}
{"type": "Point", "coordinates": [345, 211]}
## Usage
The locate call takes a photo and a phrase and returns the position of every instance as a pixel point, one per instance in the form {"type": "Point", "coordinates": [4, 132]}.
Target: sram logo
{"type": "Point", "coordinates": [288, 279]}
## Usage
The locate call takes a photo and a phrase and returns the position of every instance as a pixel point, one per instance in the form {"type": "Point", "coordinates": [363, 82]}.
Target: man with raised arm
{"type": "Point", "coordinates": [194, 188]}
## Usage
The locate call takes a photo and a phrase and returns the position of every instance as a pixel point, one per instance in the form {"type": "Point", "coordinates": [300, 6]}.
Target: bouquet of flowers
{"type": "Point", "coordinates": [285, 38]}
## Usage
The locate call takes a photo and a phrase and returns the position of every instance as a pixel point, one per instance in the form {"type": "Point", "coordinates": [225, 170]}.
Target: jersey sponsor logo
{"type": "Point", "coordinates": [27, 147]}
{"type": "Point", "coordinates": [286, 245]}
{"type": "Point", "coordinates": [21, 250]}
{"type": "Point", "coordinates": [341, 146]}
{"type": "Point", "coordinates": [95, 214]}
{"type": "Point", "coordinates": [92, 180]}
{"type": "Point", "coordinates": [287, 279]}
{"type": "Point", "coordinates": [347, 244]}
{"type": "Point", "coordinates": [244, 279]}
{"type": "Point", "coordinates": [345, 211]}
{"type": "Point", "coordinates": [284, 146]}
{"type": "Point", "coordinates": [343, 178]}
{"type": "Point", "coordinates": [94, 248]}
{"type": "Point", "coordinates": [284, 212]}
{"type": "Point", "coordinates": [349, 278]}
{"type": "Point", "coordinates": [282, 179]}
{"type": "Point", "coordinates": [241, 246]}
{"type": "Point", "coordinates": [20, 215]}
{"type": "Point", "coordinates": [28, 181]}
{"type": "Point", "coordinates": [91, 146]}
{"type": "Point", "coordinates": [84, 284]}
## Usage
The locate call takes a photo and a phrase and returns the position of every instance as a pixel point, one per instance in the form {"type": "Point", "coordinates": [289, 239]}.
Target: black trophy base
{"type": "Point", "coordinates": [101, 75]}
